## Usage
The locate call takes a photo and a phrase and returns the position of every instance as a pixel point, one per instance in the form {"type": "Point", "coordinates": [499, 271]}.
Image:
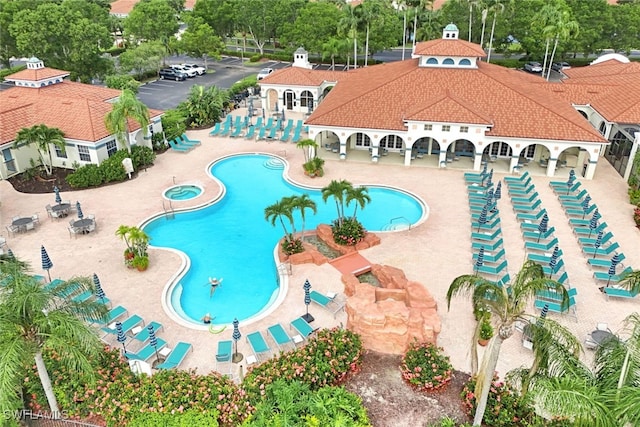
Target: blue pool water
{"type": "Point", "coordinates": [183, 192]}
{"type": "Point", "coordinates": [232, 240]}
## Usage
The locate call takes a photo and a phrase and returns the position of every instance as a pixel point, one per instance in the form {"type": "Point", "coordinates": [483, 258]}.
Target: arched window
{"type": "Point", "coordinates": [448, 61]}
{"type": "Point", "coordinates": [583, 114]}
{"type": "Point", "coordinates": [464, 61]}
{"type": "Point", "coordinates": [432, 61]}
{"type": "Point", "coordinates": [362, 140]}
{"type": "Point", "coordinates": [603, 128]}
{"type": "Point", "coordinates": [391, 141]}
{"type": "Point", "coordinates": [306, 98]}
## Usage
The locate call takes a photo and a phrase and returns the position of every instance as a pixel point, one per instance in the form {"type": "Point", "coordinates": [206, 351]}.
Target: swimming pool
{"type": "Point", "coordinates": [231, 239]}
{"type": "Point", "coordinates": [182, 192]}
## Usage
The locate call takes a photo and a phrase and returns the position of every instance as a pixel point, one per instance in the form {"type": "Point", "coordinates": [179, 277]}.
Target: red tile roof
{"type": "Point", "coordinates": [36, 74]}
{"type": "Point", "coordinates": [301, 77]}
{"type": "Point", "coordinates": [384, 96]}
{"type": "Point", "coordinates": [449, 47]}
{"type": "Point", "coordinates": [75, 108]}
{"type": "Point", "coordinates": [124, 7]}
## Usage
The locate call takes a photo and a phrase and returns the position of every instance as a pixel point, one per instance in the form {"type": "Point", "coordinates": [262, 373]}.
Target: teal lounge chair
{"type": "Point", "coordinates": [303, 328]}
{"type": "Point", "coordinates": [187, 140]}
{"type": "Point", "coordinates": [147, 351]}
{"type": "Point", "coordinates": [269, 124]}
{"type": "Point", "coordinates": [588, 242]}
{"type": "Point", "coordinates": [236, 132]}
{"type": "Point", "coordinates": [604, 263]}
{"type": "Point", "coordinates": [603, 251]}
{"type": "Point", "coordinates": [527, 208]}
{"type": "Point", "coordinates": [325, 302]}
{"type": "Point", "coordinates": [490, 257]}
{"type": "Point", "coordinates": [522, 192]}
{"type": "Point", "coordinates": [296, 136]}
{"type": "Point", "coordinates": [224, 351]}
{"type": "Point", "coordinates": [486, 236]}
{"type": "Point", "coordinates": [541, 247]}
{"type": "Point", "coordinates": [262, 134]}
{"type": "Point", "coordinates": [272, 133]}
{"type": "Point", "coordinates": [582, 231]}
{"type": "Point", "coordinates": [143, 335]}
{"type": "Point", "coordinates": [258, 345]}
{"type": "Point", "coordinates": [176, 356]}
{"type": "Point", "coordinates": [286, 135]}
{"type": "Point", "coordinates": [517, 179]}
{"type": "Point", "coordinates": [112, 315]}
{"type": "Point", "coordinates": [215, 130]}
{"type": "Point", "coordinates": [184, 143]}
{"type": "Point", "coordinates": [176, 147]}
{"type": "Point", "coordinates": [280, 337]}
{"type": "Point", "coordinates": [238, 123]}
{"type": "Point", "coordinates": [227, 127]}
{"type": "Point", "coordinates": [487, 246]}
{"type": "Point", "coordinates": [250, 132]}
{"type": "Point", "coordinates": [493, 270]}
{"type": "Point", "coordinates": [604, 275]}
{"type": "Point", "coordinates": [258, 124]}
{"type": "Point", "coordinates": [127, 325]}
{"type": "Point", "coordinates": [618, 292]}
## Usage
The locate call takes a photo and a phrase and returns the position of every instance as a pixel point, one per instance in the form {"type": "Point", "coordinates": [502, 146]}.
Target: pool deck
{"type": "Point", "coordinates": [433, 253]}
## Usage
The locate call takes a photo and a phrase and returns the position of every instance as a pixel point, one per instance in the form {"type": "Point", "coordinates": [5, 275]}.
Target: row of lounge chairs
{"type": "Point", "coordinates": [486, 230]}
{"type": "Point", "coordinates": [541, 244]}
{"type": "Point", "coordinates": [260, 348]}
{"type": "Point", "coordinates": [269, 130]}
{"type": "Point", "coordinates": [183, 144]}
{"type": "Point", "coordinates": [595, 239]}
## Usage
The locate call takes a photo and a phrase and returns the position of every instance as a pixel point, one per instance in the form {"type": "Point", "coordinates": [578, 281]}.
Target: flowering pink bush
{"type": "Point", "coordinates": [425, 367]}
{"type": "Point", "coordinates": [327, 359]}
{"type": "Point", "coordinates": [636, 215]}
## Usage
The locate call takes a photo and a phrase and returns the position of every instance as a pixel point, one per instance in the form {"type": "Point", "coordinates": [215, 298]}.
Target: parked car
{"type": "Point", "coordinates": [188, 71]}
{"type": "Point", "coordinates": [559, 66]}
{"type": "Point", "coordinates": [264, 73]}
{"type": "Point", "coordinates": [200, 70]}
{"type": "Point", "coordinates": [533, 67]}
{"type": "Point", "coordinates": [171, 74]}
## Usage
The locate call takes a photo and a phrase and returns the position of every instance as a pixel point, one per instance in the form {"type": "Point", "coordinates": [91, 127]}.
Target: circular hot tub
{"type": "Point", "coordinates": [182, 192]}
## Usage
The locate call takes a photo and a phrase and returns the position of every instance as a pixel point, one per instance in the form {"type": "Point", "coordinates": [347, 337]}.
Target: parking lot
{"type": "Point", "coordinates": [167, 94]}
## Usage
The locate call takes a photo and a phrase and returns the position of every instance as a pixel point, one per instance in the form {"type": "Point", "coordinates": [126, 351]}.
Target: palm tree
{"type": "Point", "coordinates": [545, 17]}
{"type": "Point", "coordinates": [349, 22]}
{"type": "Point", "coordinates": [566, 28]}
{"type": "Point", "coordinates": [505, 305]}
{"type": "Point", "coordinates": [418, 4]}
{"type": "Point", "coordinates": [34, 318]}
{"type": "Point", "coordinates": [42, 136]}
{"type": "Point", "coordinates": [302, 203]}
{"type": "Point", "coordinates": [306, 145]}
{"type": "Point", "coordinates": [360, 196]}
{"type": "Point", "coordinates": [337, 190]}
{"type": "Point", "coordinates": [126, 107]}
{"type": "Point", "coordinates": [498, 6]}
{"type": "Point", "coordinates": [278, 211]}
{"type": "Point", "coordinates": [631, 281]}
{"type": "Point", "coordinates": [607, 396]}
{"type": "Point", "coordinates": [368, 11]}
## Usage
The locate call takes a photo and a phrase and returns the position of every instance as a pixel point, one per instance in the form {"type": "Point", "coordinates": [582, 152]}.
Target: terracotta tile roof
{"type": "Point", "coordinates": [37, 74]}
{"type": "Point", "coordinates": [124, 7]}
{"type": "Point", "coordinates": [75, 108]}
{"type": "Point", "coordinates": [444, 47]}
{"type": "Point", "coordinates": [383, 96]}
{"type": "Point", "coordinates": [301, 77]}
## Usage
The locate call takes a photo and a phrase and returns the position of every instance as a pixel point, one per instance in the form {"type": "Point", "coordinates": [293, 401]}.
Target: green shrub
{"type": "Point", "coordinates": [292, 246]}
{"type": "Point", "coordinates": [327, 359]}
{"type": "Point", "coordinates": [5, 72]}
{"type": "Point", "coordinates": [242, 85]}
{"type": "Point", "coordinates": [634, 196]}
{"type": "Point", "coordinates": [142, 156]}
{"type": "Point", "coordinates": [173, 123]}
{"type": "Point", "coordinates": [112, 169]}
{"type": "Point", "coordinates": [89, 175]}
{"type": "Point", "coordinates": [505, 408]}
{"type": "Point", "coordinates": [425, 368]}
{"type": "Point", "coordinates": [255, 58]}
{"type": "Point", "coordinates": [188, 418]}
{"type": "Point", "coordinates": [295, 404]}
{"type": "Point", "coordinates": [122, 81]}
{"type": "Point", "coordinates": [350, 232]}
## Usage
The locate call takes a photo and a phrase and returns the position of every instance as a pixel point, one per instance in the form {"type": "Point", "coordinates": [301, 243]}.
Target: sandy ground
{"type": "Point", "coordinates": [433, 253]}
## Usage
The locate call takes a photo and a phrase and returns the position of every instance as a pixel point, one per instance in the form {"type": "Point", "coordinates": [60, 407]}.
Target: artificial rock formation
{"type": "Point", "coordinates": [388, 318]}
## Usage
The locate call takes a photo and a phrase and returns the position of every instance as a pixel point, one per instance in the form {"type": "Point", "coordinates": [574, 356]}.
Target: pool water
{"type": "Point", "coordinates": [183, 192]}
{"type": "Point", "coordinates": [231, 239]}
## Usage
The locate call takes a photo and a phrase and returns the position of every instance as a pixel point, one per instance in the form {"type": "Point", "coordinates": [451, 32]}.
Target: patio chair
{"type": "Point", "coordinates": [176, 356]}
{"type": "Point", "coordinates": [573, 197]}
{"type": "Point", "coordinates": [604, 276]}
{"type": "Point", "coordinates": [286, 135]}
{"type": "Point", "coordinates": [489, 257]}
{"type": "Point", "coordinates": [262, 134]}
{"type": "Point", "coordinates": [527, 208]}
{"type": "Point", "coordinates": [325, 302]}
{"type": "Point", "coordinates": [258, 124]}
{"type": "Point", "coordinates": [258, 345]}
{"type": "Point", "coordinates": [146, 352]}
{"type": "Point", "coordinates": [296, 136]}
{"type": "Point", "coordinates": [272, 133]}
{"type": "Point", "coordinates": [269, 124]}
{"type": "Point", "coordinates": [280, 337]}
{"type": "Point", "coordinates": [303, 328]}
{"type": "Point", "coordinates": [224, 351]}
{"type": "Point", "coordinates": [581, 231]}
{"type": "Point", "coordinates": [227, 127]}
{"type": "Point", "coordinates": [236, 132]}
{"type": "Point", "coordinates": [250, 132]}
{"type": "Point", "coordinates": [184, 143]}
{"type": "Point", "coordinates": [607, 252]}
{"type": "Point", "coordinates": [588, 242]}
{"type": "Point", "coordinates": [589, 343]}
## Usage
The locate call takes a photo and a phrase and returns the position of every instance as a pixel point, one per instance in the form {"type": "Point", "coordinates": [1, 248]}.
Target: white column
{"type": "Point", "coordinates": [477, 161]}
{"type": "Point", "coordinates": [551, 167]}
{"type": "Point", "coordinates": [375, 154]}
{"type": "Point", "coordinates": [513, 163]}
{"type": "Point", "coordinates": [591, 169]}
{"type": "Point", "coordinates": [343, 150]}
{"type": "Point", "coordinates": [407, 157]}
{"type": "Point", "coordinates": [442, 159]}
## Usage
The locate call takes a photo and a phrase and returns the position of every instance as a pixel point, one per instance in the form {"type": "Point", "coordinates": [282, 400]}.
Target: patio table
{"type": "Point", "coordinates": [600, 337]}
{"type": "Point", "coordinates": [61, 209]}
{"type": "Point", "coordinates": [21, 223]}
{"type": "Point", "coordinates": [83, 225]}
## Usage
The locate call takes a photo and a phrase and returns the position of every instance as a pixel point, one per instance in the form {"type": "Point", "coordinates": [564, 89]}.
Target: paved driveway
{"type": "Point", "coordinates": [167, 94]}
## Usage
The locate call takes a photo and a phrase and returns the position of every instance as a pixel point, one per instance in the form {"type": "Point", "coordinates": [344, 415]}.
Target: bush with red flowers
{"type": "Point", "coordinates": [425, 367]}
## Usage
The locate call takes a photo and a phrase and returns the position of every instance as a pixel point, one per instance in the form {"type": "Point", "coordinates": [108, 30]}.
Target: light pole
{"type": "Point", "coordinates": [241, 54]}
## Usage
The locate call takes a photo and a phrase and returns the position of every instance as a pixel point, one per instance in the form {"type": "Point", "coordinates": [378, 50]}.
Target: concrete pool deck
{"type": "Point", "coordinates": [433, 253]}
